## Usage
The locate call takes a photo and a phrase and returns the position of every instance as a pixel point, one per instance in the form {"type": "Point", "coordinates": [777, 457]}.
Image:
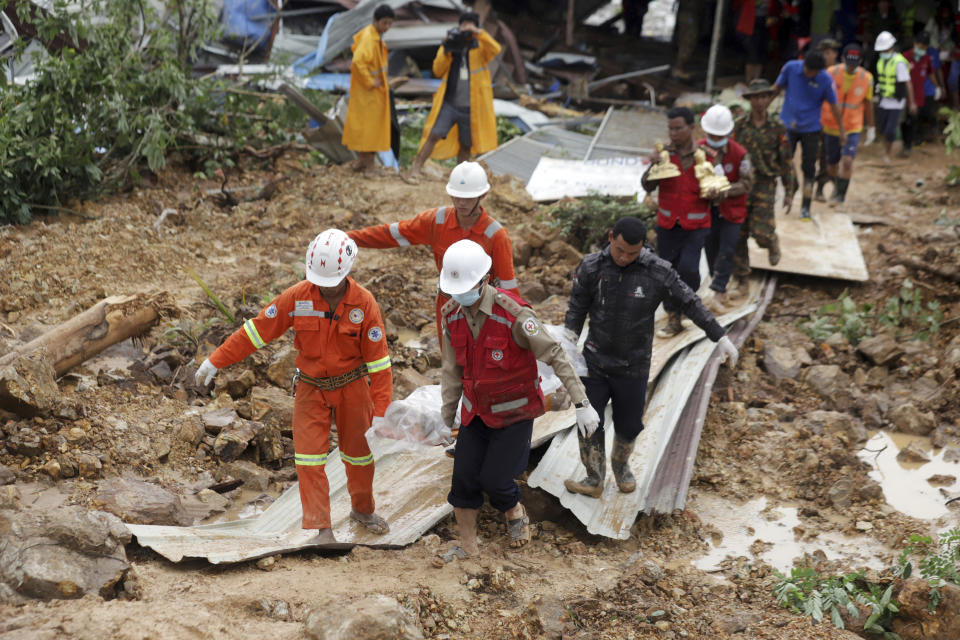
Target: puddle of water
{"type": "Point", "coordinates": [743, 525]}
{"type": "Point", "coordinates": [409, 338]}
{"type": "Point", "coordinates": [905, 485]}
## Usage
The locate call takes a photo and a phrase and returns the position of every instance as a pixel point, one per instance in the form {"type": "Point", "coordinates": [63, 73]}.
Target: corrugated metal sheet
{"type": "Point", "coordinates": [410, 36]}
{"type": "Point", "coordinates": [627, 132]}
{"type": "Point", "coordinates": [340, 29]}
{"type": "Point", "coordinates": [614, 513]}
{"type": "Point", "coordinates": [827, 248]}
{"type": "Point", "coordinates": [519, 156]}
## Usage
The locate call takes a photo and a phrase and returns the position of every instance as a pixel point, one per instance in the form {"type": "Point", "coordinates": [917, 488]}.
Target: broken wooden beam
{"type": "Point", "coordinates": [108, 322]}
{"type": "Point", "coordinates": [909, 261]}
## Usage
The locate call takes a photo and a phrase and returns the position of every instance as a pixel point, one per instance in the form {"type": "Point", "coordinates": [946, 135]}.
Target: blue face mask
{"type": "Point", "coordinates": [887, 55]}
{"type": "Point", "coordinates": [468, 298]}
{"type": "Point", "coordinates": [716, 144]}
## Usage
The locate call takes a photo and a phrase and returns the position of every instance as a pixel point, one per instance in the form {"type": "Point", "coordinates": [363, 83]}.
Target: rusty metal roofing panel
{"type": "Point", "coordinates": [614, 513]}
{"type": "Point", "coordinates": [828, 248]}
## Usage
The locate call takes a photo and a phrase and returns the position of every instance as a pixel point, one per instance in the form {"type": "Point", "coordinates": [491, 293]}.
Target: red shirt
{"type": "Point", "coordinates": [918, 74]}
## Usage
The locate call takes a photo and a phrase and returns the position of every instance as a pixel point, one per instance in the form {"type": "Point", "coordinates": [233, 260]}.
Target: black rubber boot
{"type": "Point", "coordinates": [593, 457]}
{"type": "Point", "coordinates": [620, 463]}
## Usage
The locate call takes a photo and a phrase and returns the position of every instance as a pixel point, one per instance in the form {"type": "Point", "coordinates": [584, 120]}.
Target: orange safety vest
{"type": "Point", "coordinates": [850, 102]}
{"type": "Point", "coordinates": [501, 383]}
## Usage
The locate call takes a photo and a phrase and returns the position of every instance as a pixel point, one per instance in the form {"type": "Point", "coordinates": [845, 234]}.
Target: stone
{"type": "Point", "coordinates": [238, 384]}
{"type": "Point", "coordinates": [7, 476]}
{"type": "Point", "coordinates": [281, 369]}
{"type": "Point", "coordinates": [191, 432]}
{"type": "Point", "coordinates": [62, 553]}
{"type": "Point", "coordinates": [204, 504]}
{"type": "Point", "coordinates": [941, 480]}
{"type": "Point", "coordinates": [835, 423]}
{"type": "Point", "coordinates": [140, 502]}
{"type": "Point", "coordinates": [28, 385]}
{"type": "Point", "coordinates": [522, 251]}
{"type": "Point", "coordinates": [88, 466]}
{"type": "Point", "coordinates": [560, 249]}
{"type": "Point", "coordinates": [649, 572]}
{"type": "Point", "coordinates": [915, 621]}
{"type": "Point", "coordinates": [372, 618]}
{"type": "Point", "coordinates": [269, 443]}
{"type": "Point", "coordinates": [784, 361]}
{"type": "Point", "coordinates": [737, 622]}
{"type": "Point", "coordinates": [406, 380]}
{"type": "Point", "coordinates": [254, 477]}
{"type": "Point", "coordinates": [864, 526]}
{"type": "Point", "coordinates": [272, 406]}
{"type": "Point", "coordinates": [950, 454]}
{"type": "Point", "coordinates": [269, 563]}
{"type": "Point", "coordinates": [217, 419]}
{"type": "Point", "coordinates": [881, 349]}
{"type": "Point", "coordinates": [233, 440]}
{"type": "Point", "coordinates": [533, 291]}
{"type": "Point", "coordinates": [908, 419]}
{"type": "Point", "coordinates": [913, 452]}
{"type": "Point", "coordinates": [162, 372]}
{"type": "Point", "coordinates": [831, 383]}
{"type": "Point", "coordinates": [26, 442]}
{"type": "Point", "coordinates": [840, 492]}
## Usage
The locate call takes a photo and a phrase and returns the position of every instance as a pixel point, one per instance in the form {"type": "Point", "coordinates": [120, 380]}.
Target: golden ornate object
{"type": "Point", "coordinates": [707, 176]}
{"type": "Point", "coordinates": [664, 168]}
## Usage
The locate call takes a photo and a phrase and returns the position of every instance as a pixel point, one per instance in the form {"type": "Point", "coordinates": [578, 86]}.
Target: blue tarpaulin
{"type": "Point", "coordinates": [248, 21]}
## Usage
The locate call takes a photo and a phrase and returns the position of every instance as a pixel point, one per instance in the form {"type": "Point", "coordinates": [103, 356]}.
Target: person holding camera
{"type": "Point", "coordinates": [461, 120]}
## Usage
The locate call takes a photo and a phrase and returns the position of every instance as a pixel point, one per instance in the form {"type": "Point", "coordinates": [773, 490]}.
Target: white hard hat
{"type": "Point", "coordinates": [717, 121]}
{"type": "Point", "coordinates": [464, 263]}
{"type": "Point", "coordinates": [468, 180]}
{"type": "Point", "coordinates": [330, 257]}
{"type": "Point", "coordinates": [884, 41]}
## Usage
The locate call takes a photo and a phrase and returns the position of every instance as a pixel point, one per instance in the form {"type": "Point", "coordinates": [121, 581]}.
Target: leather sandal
{"type": "Point", "coordinates": [519, 530]}
{"type": "Point", "coordinates": [371, 522]}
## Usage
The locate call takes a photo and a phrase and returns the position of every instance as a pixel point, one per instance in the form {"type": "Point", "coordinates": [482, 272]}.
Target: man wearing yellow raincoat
{"type": "Point", "coordinates": [367, 127]}
{"type": "Point", "coordinates": [461, 120]}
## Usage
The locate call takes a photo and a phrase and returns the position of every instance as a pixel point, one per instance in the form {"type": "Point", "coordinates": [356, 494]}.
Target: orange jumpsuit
{"type": "Point", "coordinates": [439, 229]}
{"type": "Point", "coordinates": [328, 345]}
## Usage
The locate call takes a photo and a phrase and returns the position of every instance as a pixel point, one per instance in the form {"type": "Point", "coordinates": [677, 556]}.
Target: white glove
{"type": "Point", "coordinates": [871, 136]}
{"type": "Point", "coordinates": [587, 421]}
{"type": "Point", "coordinates": [205, 373]}
{"type": "Point", "coordinates": [727, 351]}
{"type": "Point", "coordinates": [937, 93]}
{"type": "Point", "coordinates": [570, 335]}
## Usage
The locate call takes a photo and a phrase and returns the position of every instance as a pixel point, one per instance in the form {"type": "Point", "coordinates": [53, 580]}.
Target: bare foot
{"type": "Point", "coordinates": [324, 536]}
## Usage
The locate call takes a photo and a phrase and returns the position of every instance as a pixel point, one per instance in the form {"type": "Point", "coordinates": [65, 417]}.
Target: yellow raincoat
{"type": "Point", "coordinates": [367, 127]}
{"type": "Point", "coordinates": [483, 123]}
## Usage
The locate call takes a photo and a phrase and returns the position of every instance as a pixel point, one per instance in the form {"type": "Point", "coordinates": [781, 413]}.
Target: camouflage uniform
{"type": "Point", "coordinates": [771, 158]}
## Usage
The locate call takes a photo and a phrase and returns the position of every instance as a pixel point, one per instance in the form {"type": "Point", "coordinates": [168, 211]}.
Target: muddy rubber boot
{"type": "Point", "coordinates": [620, 463]}
{"type": "Point", "coordinates": [719, 302]}
{"type": "Point", "coordinates": [594, 459]}
{"type": "Point", "coordinates": [673, 327]}
{"type": "Point", "coordinates": [773, 253]}
{"type": "Point", "coordinates": [742, 290]}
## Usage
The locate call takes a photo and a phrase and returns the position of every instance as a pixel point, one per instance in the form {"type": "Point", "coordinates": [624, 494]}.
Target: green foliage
{"type": "Point", "coordinates": [585, 221]}
{"type": "Point", "coordinates": [951, 140]}
{"type": "Point", "coordinates": [938, 563]}
{"type": "Point", "coordinates": [120, 100]}
{"type": "Point", "coordinates": [904, 311]}
{"type": "Point", "coordinates": [808, 593]}
{"type": "Point", "coordinates": [213, 297]}
{"type": "Point", "coordinates": [506, 130]}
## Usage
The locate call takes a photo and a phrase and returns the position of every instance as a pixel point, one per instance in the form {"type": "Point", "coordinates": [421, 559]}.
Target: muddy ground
{"type": "Point", "coordinates": [759, 440]}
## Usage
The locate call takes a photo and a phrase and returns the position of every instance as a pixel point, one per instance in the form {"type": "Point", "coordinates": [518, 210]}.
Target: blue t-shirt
{"type": "Point", "coordinates": [930, 89]}
{"type": "Point", "coordinates": [803, 97]}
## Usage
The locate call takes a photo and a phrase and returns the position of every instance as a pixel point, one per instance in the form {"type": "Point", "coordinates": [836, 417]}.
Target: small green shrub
{"type": "Point", "coordinates": [585, 221]}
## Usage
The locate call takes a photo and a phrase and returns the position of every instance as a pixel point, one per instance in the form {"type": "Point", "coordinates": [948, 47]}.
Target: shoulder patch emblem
{"type": "Point", "coordinates": [728, 168]}
{"type": "Point", "coordinates": [303, 305]}
{"type": "Point", "coordinates": [531, 327]}
{"type": "Point", "coordinates": [271, 311]}
{"type": "Point", "coordinates": [497, 355]}
{"type": "Point", "coordinates": [375, 334]}
{"type": "Point", "coordinates": [356, 316]}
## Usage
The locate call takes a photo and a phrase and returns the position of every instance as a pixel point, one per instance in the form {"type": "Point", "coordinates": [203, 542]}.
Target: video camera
{"type": "Point", "coordinates": [458, 40]}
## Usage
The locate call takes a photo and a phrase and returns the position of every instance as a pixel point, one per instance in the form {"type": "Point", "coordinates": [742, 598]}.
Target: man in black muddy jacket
{"type": "Point", "coordinates": [621, 287]}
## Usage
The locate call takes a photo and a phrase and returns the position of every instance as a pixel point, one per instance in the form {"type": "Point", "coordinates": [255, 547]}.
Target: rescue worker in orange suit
{"type": "Point", "coordinates": [683, 217]}
{"type": "Point", "coordinates": [729, 209]}
{"type": "Point", "coordinates": [343, 373]}
{"type": "Point", "coordinates": [366, 129]}
{"type": "Point", "coordinates": [461, 120]}
{"type": "Point", "coordinates": [442, 226]}
{"type": "Point", "coordinates": [492, 340]}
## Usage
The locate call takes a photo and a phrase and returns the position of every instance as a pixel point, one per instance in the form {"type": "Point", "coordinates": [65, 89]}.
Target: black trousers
{"type": "Point", "coordinates": [487, 461]}
{"type": "Point", "coordinates": [811, 148]}
{"type": "Point", "coordinates": [629, 397]}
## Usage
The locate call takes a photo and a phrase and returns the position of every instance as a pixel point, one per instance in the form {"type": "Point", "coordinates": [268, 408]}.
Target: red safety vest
{"type": "Point", "coordinates": [733, 209]}
{"type": "Point", "coordinates": [680, 199]}
{"type": "Point", "coordinates": [500, 379]}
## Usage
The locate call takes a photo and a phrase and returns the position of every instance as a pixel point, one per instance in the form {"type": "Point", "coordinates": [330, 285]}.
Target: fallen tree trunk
{"type": "Point", "coordinates": [108, 322]}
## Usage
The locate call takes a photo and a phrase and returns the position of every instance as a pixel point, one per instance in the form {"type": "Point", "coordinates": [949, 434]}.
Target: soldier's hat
{"type": "Point", "coordinates": [759, 87]}
{"type": "Point", "coordinates": [828, 43]}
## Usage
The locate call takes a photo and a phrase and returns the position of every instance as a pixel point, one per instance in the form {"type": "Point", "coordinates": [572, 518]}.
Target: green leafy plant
{"type": "Point", "coordinates": [213, 297]}
{"type": "Point", "coordinates": [908, 308]}
{"type": "Point", "coordinates": [506, 130]}
{"type": "Point", "coordinates": [938, 563]}
{"type": "Point", "coordinates": [585, 221]}
{"type": "Point", "coordinates": [951, 140]}
{"type": "Point", "coordinates": [844, 315]}
{"type": "Point", "coordinates": [808, 593]}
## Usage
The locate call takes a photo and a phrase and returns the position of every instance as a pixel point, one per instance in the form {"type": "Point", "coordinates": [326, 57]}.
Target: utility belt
{"type": "Point", "coordinates": [333, 382]}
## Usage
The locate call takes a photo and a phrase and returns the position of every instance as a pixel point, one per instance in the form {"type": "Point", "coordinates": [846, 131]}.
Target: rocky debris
{"type": "Point", "coordinates": [951, 454]}
{"type": "Point", "coordinates": [649, 572]}
{"type": "Point", "coordinates": [62, 553]}
{"type": "Point", "coordinates": [234, 439]}
{"type": "Point", "coordinates": [373, 618]}
{"type": "Point", "coordinates": [915, 620]}
{"type": "Point", "coordinates": [784, 362]}
{"type": "Point", "coordinates": [139, 502]}
{"type": "Point", "coordinates": [276, 609]}
{"type": "Point", "coordinates": [941, 480]}
{"type": "Point", "coordinates": [203, 504]}
{"type": "Point", "coordinates": [533, 291]}
{"type": "Point", "coordinates": [7, 476]}
{"type": "Point", "coordinates": [549, 617]}
{"type": "Point", "coordinates": [237, 384]}
{"type": "Point", "coordinates": [914, 452]}
{"type": "Point", "coordinates": [908, 419]}
{"type": "Point", "coordinates": [269, 563]}
{"type": "Point", "coordinates": [191, 431]}
{"type": "Point", "coordinates": [28, 385]}
{"type": "Point", "coordinates": [215, 420]}
{"type": "Point", "coordinates": [270, 405]}
{"type": "Point", "coordinates": [254, 477]}
{"type": "Point", "coordinates": [842, 425]}
{"type": "Point", "coordinates": [881, 349]}
{"type": "Point", "coordinates": [831, 383]}
{"type": "Point", "coordinates": [840, 493]}
{"type": "Point", "coordinates": [951, 353]}
{"type": "Point", "coordinates": [406, 380]}
{"type": "Point", "coordinates": [281, 369]}
{"type": "Point", "coordinates": [737, 623]}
